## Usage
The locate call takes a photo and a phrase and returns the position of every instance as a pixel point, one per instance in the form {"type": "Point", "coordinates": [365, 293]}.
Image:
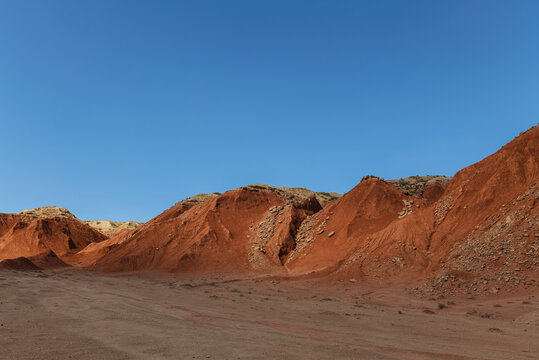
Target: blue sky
{"type": "Point", "coordinates": [118, 109]}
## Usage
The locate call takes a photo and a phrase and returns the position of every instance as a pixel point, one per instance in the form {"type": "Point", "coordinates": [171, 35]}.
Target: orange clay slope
{"type": "Point", "coordinates": [482, 224]}
{"type": "Point", "coordinates": [48, 241]}
{"type": "Point", "coordinates": [245, 230]}
{"type": "Point", "coordinates": [477, 231]}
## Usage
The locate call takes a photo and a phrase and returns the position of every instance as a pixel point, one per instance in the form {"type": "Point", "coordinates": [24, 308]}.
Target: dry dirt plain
{"type": "Point", "coordinates": [72, 314]}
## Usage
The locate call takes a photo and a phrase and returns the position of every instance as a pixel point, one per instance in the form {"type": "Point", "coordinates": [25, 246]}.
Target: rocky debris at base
{"type": "Point", "coordinates": [497, 254]}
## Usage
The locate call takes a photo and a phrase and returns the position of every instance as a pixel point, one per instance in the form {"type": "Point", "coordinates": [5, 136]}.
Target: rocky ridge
{"type": "Point", "coordinates": [105, 227]}
{"type": "Point", "coordinates": [474, 233]}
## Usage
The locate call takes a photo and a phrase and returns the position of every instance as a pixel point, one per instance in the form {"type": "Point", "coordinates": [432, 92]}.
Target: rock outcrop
{"type": "Point", "coordinates": [475, 232]}
{"type": "Point", "coordinates": [248, 229]}
{"type": "Point", "coordinates": [35, 234]}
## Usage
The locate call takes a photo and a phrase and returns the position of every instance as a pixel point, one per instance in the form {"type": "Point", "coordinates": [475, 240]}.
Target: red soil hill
{"type": "Point", "coordinates": [478, 231]}
{"type": "Point", "coordinates": [484, 227]}
{"type": "Point", "coordinates": [243, 230]}
{"type": "Point", "coordinates": [368, 220]}
{"type": "Point", "coordinates": [43, 237]}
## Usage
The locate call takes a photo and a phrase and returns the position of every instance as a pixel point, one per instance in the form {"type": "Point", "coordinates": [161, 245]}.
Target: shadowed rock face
{"type": "Point", "coordinates": [20, 263]}
{"type": "Point", "coordinates": [45, 260]}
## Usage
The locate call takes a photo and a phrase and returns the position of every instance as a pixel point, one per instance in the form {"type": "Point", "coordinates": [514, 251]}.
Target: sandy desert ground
{"type": "Point", "coordinates": [72, 314]}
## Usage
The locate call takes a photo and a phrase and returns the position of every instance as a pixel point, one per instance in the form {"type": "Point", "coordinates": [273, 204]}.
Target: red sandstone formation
{"type": "Point", "coordinates": [242, 230]}
{"type": "Point", "coordinates": [484, 227]}
{"type": "Point", "coordinates": [33, 236]}
{"type": "Point", "coordinates": [479, 230]}
{"type": "Point", "coordinates": [483, 223]}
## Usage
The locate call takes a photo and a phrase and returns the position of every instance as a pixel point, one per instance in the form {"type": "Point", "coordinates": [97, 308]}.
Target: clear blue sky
{"type": "Point", "coordinates": [118, 109]}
